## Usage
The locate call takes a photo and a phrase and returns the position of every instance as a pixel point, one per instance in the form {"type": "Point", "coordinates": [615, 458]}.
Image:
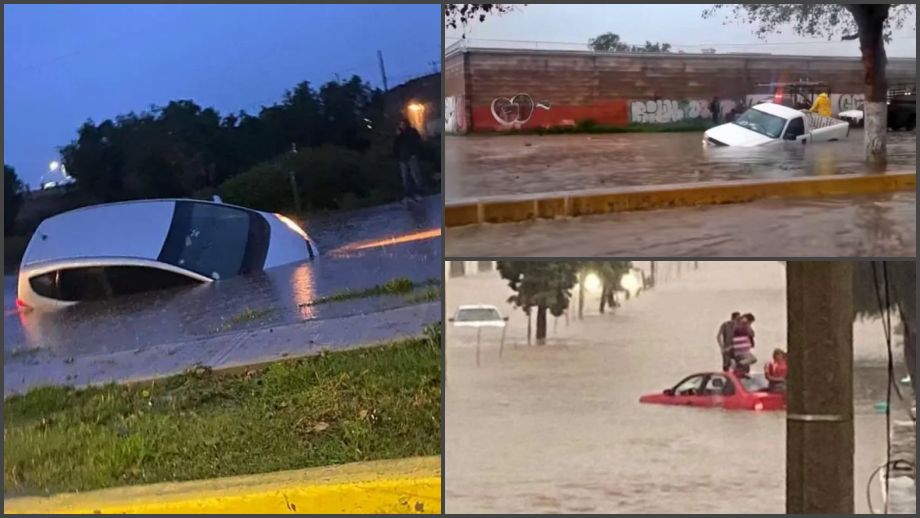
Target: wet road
{"type": "Point", "coordinates": [352, 259]}
{"type": "Point", "coordinates": [495, 165]}
{"type": "Point", "coordinates": [558, 428]}
{"type": "Point", "coordinates": [858, 226]}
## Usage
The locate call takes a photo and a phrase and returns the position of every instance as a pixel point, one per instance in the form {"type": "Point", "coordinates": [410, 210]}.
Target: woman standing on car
{"type": "Point", "coordinates": [776, 371]}
{"type": "Point", "coordinates": [742, 343]}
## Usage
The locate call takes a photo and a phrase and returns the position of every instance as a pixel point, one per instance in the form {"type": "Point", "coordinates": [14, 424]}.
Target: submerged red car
{"type": "Point", "coordinates": [720, 390]}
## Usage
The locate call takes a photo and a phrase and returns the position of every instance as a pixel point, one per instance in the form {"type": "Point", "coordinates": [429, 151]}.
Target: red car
{"type": "Point", "coordinates": [721, 390]}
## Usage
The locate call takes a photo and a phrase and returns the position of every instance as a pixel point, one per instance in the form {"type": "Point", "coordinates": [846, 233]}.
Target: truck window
{"type": "Point", "coordinates": [795, 129]}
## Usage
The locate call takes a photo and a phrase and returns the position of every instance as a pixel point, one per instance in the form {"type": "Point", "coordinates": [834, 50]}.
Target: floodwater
{"type": "Point", "coordinates": [514, 164]}
{"type": "Point", "coordinates": [558, 428]}
{"type": "Point", "coordinates": [355, 255]}
{"type": "Point", "coordinates": [843, 226]}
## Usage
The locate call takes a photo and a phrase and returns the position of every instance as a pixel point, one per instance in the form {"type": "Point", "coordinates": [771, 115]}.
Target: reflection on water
{"type": "Point", "coordinates": [281, 295]}
{"type": "Point", "coordinates": [558, 428]}
{"type": "Point", "coordinates": [499, 165]}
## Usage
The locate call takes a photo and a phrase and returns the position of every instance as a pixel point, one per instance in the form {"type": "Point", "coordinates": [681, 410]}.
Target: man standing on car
{"type": "Point", "coordinates": [406, 147]}
{"type": "Point", "coordinates": [725, 338]}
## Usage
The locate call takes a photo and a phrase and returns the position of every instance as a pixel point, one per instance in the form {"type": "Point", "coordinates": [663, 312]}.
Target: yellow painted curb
{"type": "Point", "coordinates": [403, 486]}
{"type": "Point", "coordinates": [581, 203]}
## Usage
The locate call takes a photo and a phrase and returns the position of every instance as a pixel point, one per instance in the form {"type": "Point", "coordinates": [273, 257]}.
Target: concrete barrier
{"type": "Point", "coordinates": [504, 209]}
{"type": "Point", "coordinates": [401, 486]}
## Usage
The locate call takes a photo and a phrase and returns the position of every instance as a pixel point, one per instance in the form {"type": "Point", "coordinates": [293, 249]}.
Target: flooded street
{"type": "Point", "coordinates": [355, 255]}
{"type": "Point", "coordinates": [558, 428]}
{"type": "Point", "coordinates": [842, 226]}
{"type": "Point", "coordinates": [514, 164]}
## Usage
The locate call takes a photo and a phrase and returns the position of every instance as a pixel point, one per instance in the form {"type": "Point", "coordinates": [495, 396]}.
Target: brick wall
{"type": "Point", "coordinates": [493, 90]}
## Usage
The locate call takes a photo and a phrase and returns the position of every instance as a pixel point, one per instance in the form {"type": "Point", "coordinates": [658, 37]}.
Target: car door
{"type": "Point", "coordinates": [717, 391]}
{"type": "Point", "coordinates": [689, 391]}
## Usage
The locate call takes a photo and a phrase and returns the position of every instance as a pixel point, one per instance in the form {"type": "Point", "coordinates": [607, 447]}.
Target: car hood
{"type": "Point", "coordinates": [732, 134]}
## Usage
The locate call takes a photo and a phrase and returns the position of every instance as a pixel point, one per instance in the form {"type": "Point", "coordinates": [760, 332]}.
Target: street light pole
{"type": "Point", "coordinates": [819, 419]}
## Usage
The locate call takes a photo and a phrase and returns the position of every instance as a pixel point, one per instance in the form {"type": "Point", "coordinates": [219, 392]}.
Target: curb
{"type": "Point", "coordinates": [401, 486]}
{"type": "Point", "coordinates": [581, 203]}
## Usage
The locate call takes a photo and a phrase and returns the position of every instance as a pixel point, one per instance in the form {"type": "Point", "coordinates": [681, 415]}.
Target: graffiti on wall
{"type": "Point", "coordinates": [454, 114]}
{"type": "Point", "coordinates": [850, 102]}
{"type": "Point", "coordinates": [663, 111]}
{"type": "Point", "coordinates": [516, 111]}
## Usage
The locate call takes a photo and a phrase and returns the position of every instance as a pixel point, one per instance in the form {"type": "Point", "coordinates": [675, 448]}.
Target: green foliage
{"type": "Point", "coordinates": [541, 284]}
{"type": "Point", "coordinates": [328, 177]}
{"type": "Point", "coordinates": [610, 42]}
{"type": "Point", "coordinates": [824, 20]}
{"type": "Point", "coordinates": [183, 148]}
{"type": "Point", "coordinates": [12, 197]}
{"type": "Point", "coordinates": [375, 403]}
{"type": "Point", "coordinates": [464, 14]}
{"type": "Point", "coordinates": [395, 286]}
{"type": "Point", "coordinates": [611, 274]}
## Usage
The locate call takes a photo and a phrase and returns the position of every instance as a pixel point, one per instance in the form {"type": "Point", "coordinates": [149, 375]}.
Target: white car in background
{"type": "Point", "coordinates": [116, 249]}
{"type": "Point", "coordinates": [769, 123]}
{"type": "Point", "coordinates": [478, 316]}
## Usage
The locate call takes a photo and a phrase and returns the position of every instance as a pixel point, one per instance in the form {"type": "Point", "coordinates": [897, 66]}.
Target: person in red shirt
{"type": "Point", "coordinates": [776, 371]}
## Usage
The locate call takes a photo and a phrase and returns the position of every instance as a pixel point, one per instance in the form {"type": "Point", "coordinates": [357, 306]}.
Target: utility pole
{"type": "Point", "coordinates": [819, 420]}
{"type": "Point", "coordinates": [383, 72]}
{"type": "Point", "coordinates": [294, 189]}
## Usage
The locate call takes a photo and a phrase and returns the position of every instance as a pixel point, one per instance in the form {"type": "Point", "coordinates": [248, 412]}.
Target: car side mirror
{"type": "Point", "coordinates": [506, 319]}
{"type": "Point", "coordinates": [451, 319]}
{"type": "Point", "coordinates": [668, 392]}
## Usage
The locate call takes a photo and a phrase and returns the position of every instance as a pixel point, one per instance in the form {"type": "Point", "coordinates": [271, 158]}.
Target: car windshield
{"type": "Point", "coordinates": [755, 383]}
{"type": "Point", "coordinates": [477, 315]}
{"type": "Point", "coordinates": [761, 122]}
{"type": "Point", "coordinates": [215, 240]}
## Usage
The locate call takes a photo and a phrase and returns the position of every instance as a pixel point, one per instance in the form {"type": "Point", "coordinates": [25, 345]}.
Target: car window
{"type": "Point", "coordinates": [689, 386]}
{"type": "Point", "coordinates": [128, 280]}
{"type": "Point", "coordinates": [761, 122]}
{"type": "Point", "coordinates": [215, 240]}
{"type": "Point", "coordinates": [754, 383]}
{"type": "Point", "coordinates": [795, 129]}
{"type": "Point", "coordinates": [718, 385]}
{"type": "Point", "coordinates": [101, 282]}
{"type": "Point", "coordinates": [477, 315]}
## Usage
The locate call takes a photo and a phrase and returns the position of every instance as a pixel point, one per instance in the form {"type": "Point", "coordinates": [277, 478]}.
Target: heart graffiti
{"type": "Point", "coordinates": [516, 111]}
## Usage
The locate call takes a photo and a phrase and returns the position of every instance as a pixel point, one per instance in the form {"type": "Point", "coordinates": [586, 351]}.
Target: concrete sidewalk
{"type": "Point", "coordinates": [400, 486]}
{"type": "Point", "coordinates": [218, 352]}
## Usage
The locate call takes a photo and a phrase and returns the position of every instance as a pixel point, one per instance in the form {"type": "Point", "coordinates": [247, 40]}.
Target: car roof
{"type": "Point", "coordinates": [777, 109]}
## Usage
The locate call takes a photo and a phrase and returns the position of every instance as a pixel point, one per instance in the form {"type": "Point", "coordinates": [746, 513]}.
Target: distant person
{"type": "Point", "coordinates": [742, 343]}
{"type": "Point", "coordinates": [725, 338]}
{"type": "Point", "coordinates": [715, 108]}
{"type": "Point", "coordinates": [776, 371]}
{"type": "Point", "coordinates": [406, 148]}
{"type": "Point", "coordinates": [822, 105]}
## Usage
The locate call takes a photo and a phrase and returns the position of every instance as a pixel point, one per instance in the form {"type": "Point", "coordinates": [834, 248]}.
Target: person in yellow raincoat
{"type": "Point", "coordinates": [822, 105]}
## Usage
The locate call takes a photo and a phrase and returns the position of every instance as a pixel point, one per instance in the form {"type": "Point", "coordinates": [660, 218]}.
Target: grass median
{"type": "Point", "coordinates": [376, 403]}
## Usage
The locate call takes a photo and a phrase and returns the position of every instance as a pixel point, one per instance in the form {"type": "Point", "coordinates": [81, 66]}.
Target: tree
{"type": "Point", "coordinates": [871, 299]}
{"type": "Point", "coordinates": [544, 285]}
{"type": "Point", "coordinates": [12, 197]}
{"type": "Point", "coordinates": [611, 42]}
{"type": "Point", "coordinates": [870, 23]}
{"type": "Point", "coordinates": [463, 14]}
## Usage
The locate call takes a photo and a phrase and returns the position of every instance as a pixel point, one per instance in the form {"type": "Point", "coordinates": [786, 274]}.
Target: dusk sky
{"type": "Point", "coordinates": [680, 25]}
{"type": "Point", "coordinates": [64, 64]}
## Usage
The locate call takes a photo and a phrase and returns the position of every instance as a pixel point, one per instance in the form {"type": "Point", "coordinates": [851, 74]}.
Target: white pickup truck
{"type": "Point", "coordinates": [767, 123]}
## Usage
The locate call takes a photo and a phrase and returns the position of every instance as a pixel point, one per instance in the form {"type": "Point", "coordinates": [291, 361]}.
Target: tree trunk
{"type": "Point", "coordinates": [870, 18]}
{"type": "Point", "coordinates": [581, 296]}
{"type": "Point", "coordinates": [603, 299]}
{"type": "Point", "coordinates": [910, 348]}
{"type": "Point", "coordinates": [541, 325]}
{"type": "Point", "coordinates": [819, 420]}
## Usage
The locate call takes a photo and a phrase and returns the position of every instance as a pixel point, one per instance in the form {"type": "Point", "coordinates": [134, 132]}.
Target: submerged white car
{"type": "Point", "coordinates": [116, 249]}
{"type": "Point", "coordinates": [768, 123]}
{"type": "Point", "coordinates": [478, 316]}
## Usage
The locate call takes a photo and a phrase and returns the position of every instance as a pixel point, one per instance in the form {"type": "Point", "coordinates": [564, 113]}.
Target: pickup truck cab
{"type": "Point", "coordinates": [769, 123]}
